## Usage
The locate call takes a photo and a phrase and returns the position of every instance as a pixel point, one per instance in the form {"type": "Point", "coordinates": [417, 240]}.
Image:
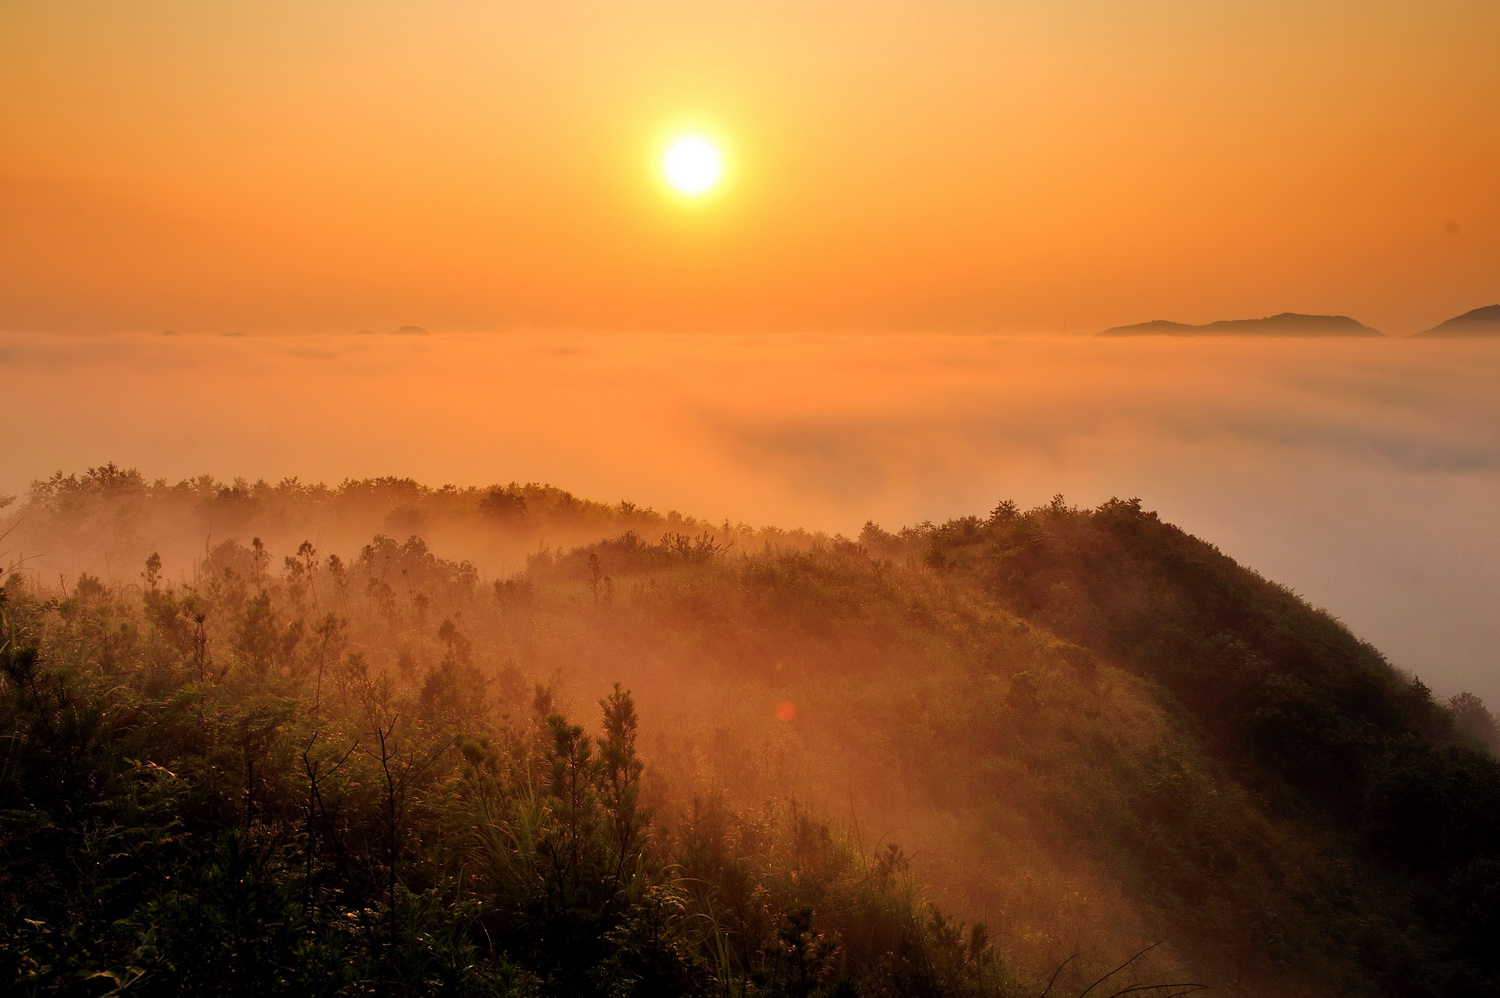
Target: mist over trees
{"type": "Point", "coordinates": [382, 738]}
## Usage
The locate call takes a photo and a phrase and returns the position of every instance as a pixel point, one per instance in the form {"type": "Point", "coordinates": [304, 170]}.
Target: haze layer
{"type": "Point", "coordinates": [1365, 474]}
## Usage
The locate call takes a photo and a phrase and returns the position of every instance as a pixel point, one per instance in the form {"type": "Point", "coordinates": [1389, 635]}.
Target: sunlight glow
{"type": "Point", "coordinates": [692, 165]}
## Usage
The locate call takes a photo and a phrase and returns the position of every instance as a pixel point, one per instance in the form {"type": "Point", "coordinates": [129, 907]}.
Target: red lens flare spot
{"type": "Point", "coordinates": [786, 711]}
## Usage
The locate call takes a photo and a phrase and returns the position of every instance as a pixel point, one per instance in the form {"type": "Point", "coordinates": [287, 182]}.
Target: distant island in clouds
{"type": "Point", "coordinates": [1480, 322]}
{"type": "Point", "coordinates": [1285, 324]}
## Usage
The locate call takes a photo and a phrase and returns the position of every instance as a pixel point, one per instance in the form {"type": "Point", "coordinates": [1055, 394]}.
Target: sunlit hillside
{"type": "Point", "coordinates": [382, 738]}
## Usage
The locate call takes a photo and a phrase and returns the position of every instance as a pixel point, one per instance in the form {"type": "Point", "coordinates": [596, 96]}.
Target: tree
{"type": "Point", "coordinates": [1474, 720]}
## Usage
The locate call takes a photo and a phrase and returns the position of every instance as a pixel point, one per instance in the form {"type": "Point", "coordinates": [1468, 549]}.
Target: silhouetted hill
{"type": "Point", "coordinates": [1285, 324]}
{"type": "Point", "coordinates": [324, 772]}
{"type": "Point", "coordinates": [1480, 322]}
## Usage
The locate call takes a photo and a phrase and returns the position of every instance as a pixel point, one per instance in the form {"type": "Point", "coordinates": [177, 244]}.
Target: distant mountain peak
{"type": "Point", "coordinates": [1484, 321]}
{"type": "Point", "coordinates": [1282, 324]}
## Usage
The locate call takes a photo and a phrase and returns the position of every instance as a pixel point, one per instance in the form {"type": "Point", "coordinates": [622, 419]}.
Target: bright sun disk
{"type": "Point", "coordinates": [692, 165]}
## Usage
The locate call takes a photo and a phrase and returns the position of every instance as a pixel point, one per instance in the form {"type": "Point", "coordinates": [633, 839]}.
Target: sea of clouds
{"type": "Point", "coordinates": [1363, 473]}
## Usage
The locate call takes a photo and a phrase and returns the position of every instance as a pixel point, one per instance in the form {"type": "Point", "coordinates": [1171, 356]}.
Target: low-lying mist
{"type": "Point", "coordinates": [1364, 474]}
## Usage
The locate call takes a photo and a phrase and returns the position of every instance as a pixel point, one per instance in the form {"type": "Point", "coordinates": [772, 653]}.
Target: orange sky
{"type": "Point", "coordinates": [955, 165]}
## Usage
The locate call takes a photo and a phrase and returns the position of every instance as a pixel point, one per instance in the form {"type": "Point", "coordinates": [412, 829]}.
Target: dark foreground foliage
{"type": "Point", "coordinates": [168, 834]}
{"type": "Point", "coordinates": [306, 772]}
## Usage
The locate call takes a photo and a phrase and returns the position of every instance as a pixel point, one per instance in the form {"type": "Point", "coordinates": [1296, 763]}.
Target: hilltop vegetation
{"type": "Point", "coordinates": [592, 749]}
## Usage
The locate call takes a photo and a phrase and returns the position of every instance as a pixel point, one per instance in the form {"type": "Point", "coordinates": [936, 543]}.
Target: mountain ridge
{"type": "Point", "coordinates": [1086, 720]}
{"type": "Point", "coordinates": [1289, 324]}
{"type": "Point", "coordinates": [1483, 321]}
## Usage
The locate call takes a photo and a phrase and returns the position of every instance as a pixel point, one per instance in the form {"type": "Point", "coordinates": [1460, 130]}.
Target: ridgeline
{"type": "Point", "coordinates": [1292, 324]}
{"type": "Point", "coordinates": [1477, 322]}
{"type": "Point", "coordinates": [589, 749]}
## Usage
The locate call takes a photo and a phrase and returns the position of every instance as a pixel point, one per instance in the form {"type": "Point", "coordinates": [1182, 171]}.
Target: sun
{"type": "Point", "coordinates": [692, 165]}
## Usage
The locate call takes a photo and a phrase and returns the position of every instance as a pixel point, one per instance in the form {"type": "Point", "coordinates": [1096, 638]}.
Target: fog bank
{"type": "Point", "coordinates": [1364, 474]}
